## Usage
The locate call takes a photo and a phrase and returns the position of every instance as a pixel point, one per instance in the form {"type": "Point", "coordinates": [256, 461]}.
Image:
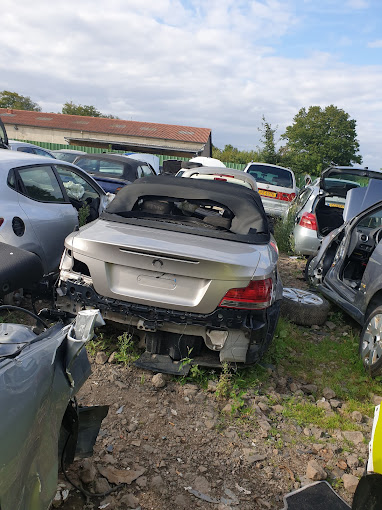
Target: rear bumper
{"type": "Point", "coordinates": [306, 241]}
{"type": "Point", "coordinates": [275, 208]}
{"type": "Point", "coordinates": [240, 336]}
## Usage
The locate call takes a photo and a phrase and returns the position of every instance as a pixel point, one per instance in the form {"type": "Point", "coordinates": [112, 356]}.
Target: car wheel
{"type": "Point", "coordinates": [303, 307]}
{"type": "Point", "coordinates": [370, 344]}
{"type": "Point", "coordinates": [307, 271]}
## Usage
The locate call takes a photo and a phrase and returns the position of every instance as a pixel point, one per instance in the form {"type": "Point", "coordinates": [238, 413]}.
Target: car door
{"type": "Point", "coordinates": [52, 217]}
{"type": "Point", "coordinates": [3, 136]}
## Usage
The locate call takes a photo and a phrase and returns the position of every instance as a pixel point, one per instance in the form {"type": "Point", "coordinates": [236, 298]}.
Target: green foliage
{"type": "Point", "coordinates": [83, 214]}
{"type": "Point", "coordinates": [98, 343]}
{"type": "Point", "coordinates": [126, 350]}
{"type": "Point", "coordinates": [69, 108]}
{"type": "Point", "coordinates": [268, 153]}
{"type": "Point", "coordinates": [14, 100]}
{"type": "Point", "coordinates": [319, 137]}
{"type": "Point", "coordinates": [283, 232]}
{"type": "Point", "coordinates": [231, 154]}
{"type": "Point", "coordinates": [224, 385]}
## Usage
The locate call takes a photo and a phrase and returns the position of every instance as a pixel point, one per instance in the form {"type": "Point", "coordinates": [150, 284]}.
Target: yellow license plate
{"type": "Point", "coordinates": [340, 206]}
{"type": "Point", "coordinates": [265, 193]}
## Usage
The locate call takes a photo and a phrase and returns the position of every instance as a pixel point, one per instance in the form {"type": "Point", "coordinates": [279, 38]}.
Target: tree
{"type": "Point", "coordinates": [231, 154]}
{"type": "Point", "coordinates": [268, 153]}
{"type": "Point", "coordinates": [320, 137]}
{"type": "Point", "coordinates": [70, 108]}
{"type": "Point", "coordinates": [14, 100]}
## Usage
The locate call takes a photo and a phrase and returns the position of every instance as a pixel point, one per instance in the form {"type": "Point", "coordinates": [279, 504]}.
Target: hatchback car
{"type": "Point", "coordinates": [318, 208]}
{"type": "Point", "coordinates": [41, 199]}
{"type": "Point", "coordinates": [347, 268]}
{"type": "Point", "coordinates": [276, 185]}
{"type": "Point", "coordinates": [15, 145]}
{"type": "Point", "coordinates": [189, 264]}
{"type": "Point", "coordinates": [113, 171]}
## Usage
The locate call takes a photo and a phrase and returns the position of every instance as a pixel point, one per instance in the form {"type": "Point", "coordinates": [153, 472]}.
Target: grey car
{"type": "Point", "coordinates": [318, 208]}
{"type": "Point", "coordinates": [30, 148]}
{"type": "Point", "coordinates": [68, 155]}
{"type": "Point", "coordinates": [347, 268]}
{"type": "Point", "coordinates": [188, 264]}
{"type": "Point", "coordinates": [41, 199]}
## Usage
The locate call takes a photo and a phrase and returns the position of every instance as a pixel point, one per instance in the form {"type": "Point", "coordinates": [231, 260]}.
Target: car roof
{"type": "Point", "coordinates": [11, 159]}
{"type": "Point", "coordinates": [70, 151]}
{"type": "Point", "coordinates": [267, 164]}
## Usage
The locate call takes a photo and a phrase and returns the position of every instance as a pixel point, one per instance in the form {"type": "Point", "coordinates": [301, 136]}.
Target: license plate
{"type": "Point", "coordinates": [265, 193]}
{"type": "Point", "coordinates": [341, 206]}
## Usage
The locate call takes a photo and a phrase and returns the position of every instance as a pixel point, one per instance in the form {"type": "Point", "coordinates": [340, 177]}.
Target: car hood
{"type": "Point", "coordinates": [360, 199]}
{"type": "Point", "coordinates": [332, 173]}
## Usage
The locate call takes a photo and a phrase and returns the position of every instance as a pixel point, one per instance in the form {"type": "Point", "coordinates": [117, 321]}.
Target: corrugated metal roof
{"type": "Point", "coordinates": [108, 126]}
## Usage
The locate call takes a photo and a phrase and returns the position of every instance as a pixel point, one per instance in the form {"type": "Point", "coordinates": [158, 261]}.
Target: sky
{"type": "Point", "coordinates": [220, 64]}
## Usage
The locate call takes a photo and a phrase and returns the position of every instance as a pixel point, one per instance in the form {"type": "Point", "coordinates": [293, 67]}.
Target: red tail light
{"type": "Point", "coordinates": [1, 221]}
{"type": "Point", "coordinates": [287, 197]}
{"type": "Point", "coordinates": [257, 294]}
{"type": "Point", "coordinates": [308, 220]}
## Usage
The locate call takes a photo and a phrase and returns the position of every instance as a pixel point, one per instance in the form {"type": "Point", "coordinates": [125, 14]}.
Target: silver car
{"type": "Point", "coordinates": [41, 200]}
{"type": "Point", "coordinates": [30, 148]}
{"type": "Point", "coordinates": [318, 208]}
{"type": "Point", "coordinates": [188, 264]}
{"type": "Point", "coordinates": [347, 268]}
{"type": "Point", "coordinates": [276, 185]}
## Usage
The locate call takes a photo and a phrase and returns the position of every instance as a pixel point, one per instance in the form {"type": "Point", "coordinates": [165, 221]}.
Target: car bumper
{"type": "Point", "coordinates": [275, 208]}
{"type": "Point", "coordinates": [306, 241]}
{"type": "Point", "coordinates": [225, 335]}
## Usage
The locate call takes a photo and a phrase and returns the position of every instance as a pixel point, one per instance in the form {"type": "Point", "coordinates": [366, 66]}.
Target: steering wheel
{"type": "Point", "coordinates": [377, 234]}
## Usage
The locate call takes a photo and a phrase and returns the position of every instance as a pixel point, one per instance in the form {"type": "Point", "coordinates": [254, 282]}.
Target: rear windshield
{"type": "Point", "coordinates": [275, 176]}
{"type": "Point", "coordinates": [112, 168]}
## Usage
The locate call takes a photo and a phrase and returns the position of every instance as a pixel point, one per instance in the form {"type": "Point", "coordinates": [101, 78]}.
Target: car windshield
{"type": "Point", "coordinates": [274, 176]}
{"type": "Point", "coordinates": [65, 156]}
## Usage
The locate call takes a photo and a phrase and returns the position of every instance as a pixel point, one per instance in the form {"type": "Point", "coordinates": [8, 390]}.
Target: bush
{"type": "Point", "coordinates": [283, 232]}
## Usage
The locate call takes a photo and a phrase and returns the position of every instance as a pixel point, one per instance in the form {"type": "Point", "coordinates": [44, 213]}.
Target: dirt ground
{"type": "Point", "coordinates": [177, 446]}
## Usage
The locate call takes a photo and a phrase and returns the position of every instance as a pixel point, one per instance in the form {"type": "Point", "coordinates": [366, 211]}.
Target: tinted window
{"type": "Point", "coordinates": [41, 152]}
{"type": "Point", "coordinates": [88, 164]}
{"type": "Point", "coordinates": [76, 186]}
{"type": "Point", "coordinates": [271, 175]}
{"type": "Point", "coordinates": [40, 183]}
{"type": "Point", "coordinates": [112, 168]}
{"type": "Point", "coordinates": [65, 156]}
{"type": "Point", "coordinates": [144, 171]}
{"type": "Point", "coordinates": [30, 150]}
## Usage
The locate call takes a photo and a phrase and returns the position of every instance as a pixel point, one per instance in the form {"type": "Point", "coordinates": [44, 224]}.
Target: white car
{"type": "Point", "coordinates": [220, 174]}
{"type": "Point", "coordinates": [276, 185]}
{"type": "Point", "coordinates": [40, 200]}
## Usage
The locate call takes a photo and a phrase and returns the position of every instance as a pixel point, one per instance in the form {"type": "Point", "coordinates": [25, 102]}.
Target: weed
{"type": "Point", "coordinates": [283, 228]}
{"type": "Point", "coordinates": [127, 352]}
{"type": "Point", "coordinates": [98, 343]}
{"type": "Point", "coordinates": [224, 386]}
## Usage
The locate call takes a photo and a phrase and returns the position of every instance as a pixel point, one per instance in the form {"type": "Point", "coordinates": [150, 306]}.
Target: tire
{"type": "Point", "coordinates": [307, 267]}
{"type": "Point", "coordinates": [303, 307]}
{"type": "Point", "coordinates": [370, 343]}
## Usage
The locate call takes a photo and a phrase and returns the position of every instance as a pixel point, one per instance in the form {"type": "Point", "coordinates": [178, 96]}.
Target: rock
{"type": "Point", "coordinates": [227, 409]}
{"type": "Point", "coordinates": [190, 390]}
{"type": "Point", "coordinates": [157, 484]}
{"type": "Point", "coordinates": [355, 437]}
{"type": "Point", "coordinates": [278, 408]}
{"type": "Point", "coordinates": [309, 388]}
{"type": "Point", "coordinates": [141, 482]}
{"type": "Point", "coordinates": [376, 400]}
{"type": "Point", "coordinates": [352, 461]}
{"type": "Point", "coordinates": [101, 485]}
{"type": "Point", "coordinates": [129, 501]}
{"type": "Point", "coordinates": [324, 404]}
{"type": "Point", "coordinates": [212, 385]}
{"type": "Point", "coordinates": [264, 425]}
{"type": "Point", "coordinates": [88, 471]}
{"type": "Point", "coordinates": [111, 358]}
{"type": "Point", "coordinates": [210, 424]}
{"type": "Point", "coordinates": [350, 483]}
{"type": "Point", "coordinates": [335, 403]}
{"type": "Point", "coordinates": [342, 464]}
{"type": "Point", "coordinates": [317, 447]}
{"type": "Point", "coordinates": [330, 325]}
{"type": "Point", "coordinates": [357, 416]}
{"type": "Point", "coordinates": [328, 393]}
{"type": "Point", "coordinates": [251, 456]}
{"type": "Point", "coordinates": [202, 485]}
{"type": "Point", "coordinates": [264, 407]}
{"type": "Point", "coordinates": [118, 476]}
{"type": "Point", "coordinates": [316, 432]}
{"type": "Point", "coordinates": [293, 387]}
{"type": "Point", "coordinates": [101, 358]}
{"type": "Point", "coordinates": [315, 472]}
{"type": "Point", "coordinates": [158, 381]}
{"type": "Point", "coordinates": [57, 500]}
{"type": "Point", "coordinates": [181, 502]}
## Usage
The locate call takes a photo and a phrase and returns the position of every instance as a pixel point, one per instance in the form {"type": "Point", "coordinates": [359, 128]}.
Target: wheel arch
{"type": "Point", "coordinates": [376, 300]}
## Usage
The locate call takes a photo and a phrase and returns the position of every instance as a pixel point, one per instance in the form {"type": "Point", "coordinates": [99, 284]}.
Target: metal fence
{"type": "Point", "coordinates": [96, 150]}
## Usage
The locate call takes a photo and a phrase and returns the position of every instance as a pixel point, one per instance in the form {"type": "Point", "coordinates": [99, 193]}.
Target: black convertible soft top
{"type": "Point", "coordinates": [249, 222]}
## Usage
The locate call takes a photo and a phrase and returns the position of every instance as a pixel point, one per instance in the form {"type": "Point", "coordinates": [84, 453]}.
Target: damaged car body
{"type": "Point", "coordinates": [190, 265]}
{"type": "Point", "coordinates": [347, 268]}
{"type": "Point", "coordinates": [41, 370]}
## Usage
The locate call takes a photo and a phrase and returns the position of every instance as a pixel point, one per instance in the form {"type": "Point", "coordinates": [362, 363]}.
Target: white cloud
{"type": "Point", "coordinates": [375, 44]}
{"type": "Point", "coordinates": [210, 63]}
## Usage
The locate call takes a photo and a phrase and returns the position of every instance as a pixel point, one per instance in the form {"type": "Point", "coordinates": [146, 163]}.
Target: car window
{"type": "Point", "coordinates": [40, 183]}
{"type": "Point", "coordinates": [41, 152]}
{"type": "Point", "coordinates": [76, 186]}
{"type": "Point", "coordinates": [111, 167]}
{"type": "Point", "coordinates": [373, 220]}
{"type": "Point", "coordinates": [65, 156]}
{"type": "Point", "coordinates": [271, 175]}
{"type": "Point", "coordinates": [30, 150]}
{"type": "Point", "coordinates": [88, 164]}
{"type": "Point", "coordinates": [303, 197]}
{"type": "Point", "coordinates": [144, 171]}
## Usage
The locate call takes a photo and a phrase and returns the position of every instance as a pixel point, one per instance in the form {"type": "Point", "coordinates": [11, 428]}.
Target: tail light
{"type": "Point", "coordinates": [256, 295]}
{"type": "Point", "coordinates": [287, 197]}
{"type": "Point", "coordinates": [1, 221]}
{"type": "Point", "coordinates": [308, 220]}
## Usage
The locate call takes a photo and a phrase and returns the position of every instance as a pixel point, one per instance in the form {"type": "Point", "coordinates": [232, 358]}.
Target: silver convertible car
{"type": "Point", "coordinates": [189, 264]}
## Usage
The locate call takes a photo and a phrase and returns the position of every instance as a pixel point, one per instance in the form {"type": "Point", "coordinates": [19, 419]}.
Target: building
{"type": "Point", "coordinates": [108, 134]}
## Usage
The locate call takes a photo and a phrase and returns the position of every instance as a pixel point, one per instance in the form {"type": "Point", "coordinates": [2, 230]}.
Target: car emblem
{"type": "Point", "coordinates": [157, 263]}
